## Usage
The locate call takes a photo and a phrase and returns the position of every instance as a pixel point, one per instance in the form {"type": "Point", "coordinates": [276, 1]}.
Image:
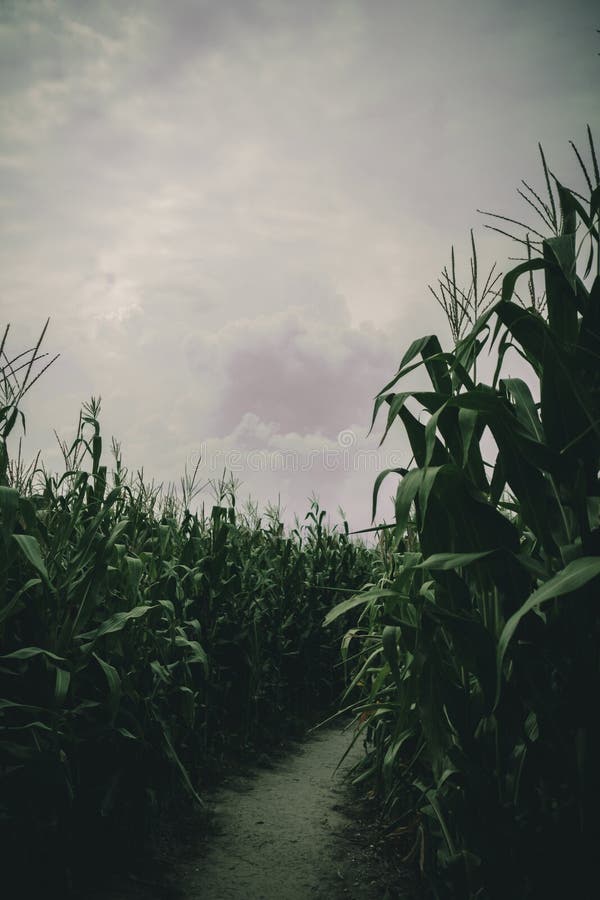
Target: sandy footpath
{"type": "Point", "coordinates": [281, 834]}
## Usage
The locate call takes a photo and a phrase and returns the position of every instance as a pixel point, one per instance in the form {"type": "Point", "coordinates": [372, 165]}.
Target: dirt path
{"type": "Point", "coordinates": [280, 835]}
{"type": "Point", "coordinates": [284, 833]}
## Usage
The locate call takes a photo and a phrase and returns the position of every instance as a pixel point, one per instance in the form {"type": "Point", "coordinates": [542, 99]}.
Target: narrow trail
{"type": "Point", "coordinates": [280, 834]}
{"type": "Point", "coordinates": [285, 833]}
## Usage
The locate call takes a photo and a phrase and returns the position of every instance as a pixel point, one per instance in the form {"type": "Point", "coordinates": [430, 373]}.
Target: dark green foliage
{"type": "Point", "coordinates": [479, 667]}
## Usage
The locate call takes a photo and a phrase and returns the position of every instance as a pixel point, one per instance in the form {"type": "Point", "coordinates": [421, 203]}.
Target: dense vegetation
{"type": "Point", "coordinates": [141, 644]}
{"type": "Point", "coordinates": [479, 651]}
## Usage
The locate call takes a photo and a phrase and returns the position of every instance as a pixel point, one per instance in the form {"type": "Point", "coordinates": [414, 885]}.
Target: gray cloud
{"type": "Point", "coordinates": [306, 364]}
{"type": "Point", "coordinates": [234, 209]}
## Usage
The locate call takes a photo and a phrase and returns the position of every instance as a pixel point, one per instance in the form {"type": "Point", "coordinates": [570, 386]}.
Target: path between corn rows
{"type": "Point", "coordinates": [285, 833]}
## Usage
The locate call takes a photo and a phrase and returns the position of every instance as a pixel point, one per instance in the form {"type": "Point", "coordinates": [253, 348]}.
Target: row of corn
{"type": "Point", "coordinates": [477, 656]}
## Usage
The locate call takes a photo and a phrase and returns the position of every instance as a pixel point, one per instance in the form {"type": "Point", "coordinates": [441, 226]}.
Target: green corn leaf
{"type": "Point", "coordinates": [520, 395]}
{"type": "Point", "coordinates": [174, 757]}
{"type": "Point", "coordinates": [61, 685]}
{"type": "Point", "coordinates": [595, 202]}
{"type": "Point", "coordinates": [418, 347]}
{"type": "Point", "coordinates": [162, 673]}
{"type": "Point", "coordinates": [31, 549]}
{"type": "Point", "coordinates": [415, 431]}
{"type": "Point", "coordinates": [467, 423]}
{"type": "Point", "coordinates": [396, 745]}
{"type": "Point", "coordinates": [448, 561]}
{"type": "Point", "coordinates": [561, 286]}
{"type": "Point", "coordinates": [510, 279]}
{"type": "Point", "coordinates": [30, 652]}
{"type": "Point", "coordinates": [30, 726]}
{"type": "Point", "coordinates": [430, 435]}
{"type": "Point", "coordinates": [527, 328]}
{"type": "Point", "coordinates": [119, 527]}
{"type": "Point", "coordinates": [124, 732]}
{"type": "Point", "coordinates": [12, 704]}
{"type": "Point", "coordinates": [358, 600]}
{"type": "Point", "coordinates": [568, 207]}
{"type": "Point", "coordinates": [114, 683]}
{"type": "Point", "coordinates": [378, 482]}
{"type": "Point", "coordinates": [369, 661]}
{"type": "Point", "coordinates": [11, 607]}
{"type": "Point", "coordinates": [197, 654]}
{"type": "Point", "coordinates": [428, 347]}
{"type": "Point", "coordinates": [116, 623]}
{"type": "Point", "coordinates": [573, 577]}
{"type": "Point", "coordinates": [134, 570]}
{"type": "Point", "coordinates": [531, 727]}
{"type": "Point", "coordinates": [395, 402]}
{"type": "Point", "coordinates": [436, 364]}
{"type": "Point", "coordinates": [405, 496]}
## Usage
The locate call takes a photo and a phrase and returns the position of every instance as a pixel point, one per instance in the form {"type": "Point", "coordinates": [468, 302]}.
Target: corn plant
{"type": "Point", "coordinates": [477, 657]}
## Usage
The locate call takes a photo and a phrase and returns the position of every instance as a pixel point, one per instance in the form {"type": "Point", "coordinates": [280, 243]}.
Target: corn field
{"type": "Point", "coordinates": [142, 644]}
{"type": "Point", "coordinates": [475, 663]}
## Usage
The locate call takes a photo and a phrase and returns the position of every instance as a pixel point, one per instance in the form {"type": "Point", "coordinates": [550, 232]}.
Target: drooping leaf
{"type": "Point", "coordinates": [31, 549]}
{"type": "Point", "coordinates": [116, 622]}
{"type": "Point", "coordinates": [113, 680]}
{"type": "Point", "coordinates": [30, 652]}
{"type": "Point", "coordinates": [573, 577]}
{"type": "Point", "coordinates": [447, 561]}
{"type": "Point", "coordinates": [358, 600]}
{"type": "Point", "coordinates": [61, 685]}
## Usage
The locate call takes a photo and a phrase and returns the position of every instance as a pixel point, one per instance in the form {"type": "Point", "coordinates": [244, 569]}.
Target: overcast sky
{"type": "Point", "coordinates": [231, 210]}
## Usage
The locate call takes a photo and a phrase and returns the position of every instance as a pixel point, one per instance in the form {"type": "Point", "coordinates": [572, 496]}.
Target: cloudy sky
{"type": "Point", "coordinates": [231, 210]}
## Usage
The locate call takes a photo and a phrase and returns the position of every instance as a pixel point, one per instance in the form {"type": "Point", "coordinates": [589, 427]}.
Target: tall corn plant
{"type": "Point", "coordinates": [480, 650]}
